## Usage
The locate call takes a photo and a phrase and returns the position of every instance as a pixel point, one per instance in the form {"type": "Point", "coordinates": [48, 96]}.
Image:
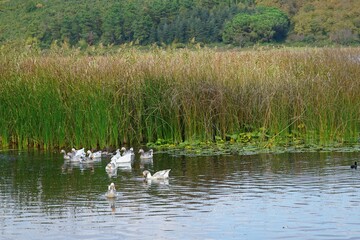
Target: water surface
{"type": "Point", "coordinates": [271, 196]}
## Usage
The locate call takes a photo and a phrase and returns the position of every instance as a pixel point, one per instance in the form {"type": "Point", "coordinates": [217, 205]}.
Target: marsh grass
{"type": "Point", "coordinates": [286, 96]}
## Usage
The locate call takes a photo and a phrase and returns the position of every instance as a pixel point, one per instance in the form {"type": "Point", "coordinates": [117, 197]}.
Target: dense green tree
{"type": "Point", "coordinates": [130, 12]}
{"type": "Point", "coordinates": [203, 25]}
{"type": "Point", "coordinates": [112, 26]}
{"type": "Point", "coordinates": [180, 34]}
{"type": "Point", "coordinates": [89, 22]}
{"type": "Point", "coordinates": [168, 21]}
{"type": "Point", "coordinates": [262, 25]}
{"type": "Point", "coordinates": [208, 4]}
{"type": "Point", "coordinates": [164, 33]}
{"type": "Point", "coordinates": [142, 27]}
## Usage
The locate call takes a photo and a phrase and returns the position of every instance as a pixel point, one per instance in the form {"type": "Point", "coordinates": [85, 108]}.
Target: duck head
{"type": "Point", "coordinates": [146, 174]}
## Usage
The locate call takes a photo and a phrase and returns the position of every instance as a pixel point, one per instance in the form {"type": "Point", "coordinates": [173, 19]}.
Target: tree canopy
{"type": "Point", "coordinates": [239, 22]}
{"type": "Point", "coordinates": [261, 25]}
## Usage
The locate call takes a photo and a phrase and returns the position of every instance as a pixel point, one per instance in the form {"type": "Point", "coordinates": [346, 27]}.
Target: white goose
{"type": "Point", "coordinates": [163, 174]}
{"type": "Point", "coordinates": [121, 159]}
{"type": "Point", "coordinates": [125, 152]}
{"type": "Point", "coordinates": [111, 166]}
{"type": "Point", "coordinates": [78, 153]}
{"type": "Point", "coordinates": [67, 156]}
{"type": "Point", "coordinates": [111, 193]}
{"type": "Point", "coordinates": [146, 155]}
{"type": "Point", "coordinates": [94, 155]}
{"type": "Point", "coordinates": [116, 156]}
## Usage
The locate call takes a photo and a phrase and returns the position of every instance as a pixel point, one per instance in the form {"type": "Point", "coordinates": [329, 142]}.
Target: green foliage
{"type": "Point", "coordinates": [172, 21]}
{"type": "Point", "coordinates": [118, 22]}
{"type": "Point", "coordinates": [113, 25]}
{"type": "Point", "coordinates": [322, 21]}
{"type": "Point", "coordinates": [261, 25]}
{"type": "Point", "coordinates": [60, 97]}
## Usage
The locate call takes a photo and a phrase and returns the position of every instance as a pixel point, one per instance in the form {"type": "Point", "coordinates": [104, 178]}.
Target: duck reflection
{"type": "Point", "coordinates": [69, 166]}
{"type": "Point", "coordinates": [112, 173]}
{"type": "Point", "coordinates": [159, 182]}
{"type": "Point", "coordinates": [146, 163]}
{"type": "Point", "coordinates": [111, 169]}
{"type": "Point", "coordinates": [111, 195]}
{"type": "Point", "coordinates": [124, 166]}
{"type": "Point", "coordinates": [112, 204]}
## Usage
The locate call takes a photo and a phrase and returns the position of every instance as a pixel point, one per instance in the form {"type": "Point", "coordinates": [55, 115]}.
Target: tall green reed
{"type": "Point", "coordinates": [62, 100]}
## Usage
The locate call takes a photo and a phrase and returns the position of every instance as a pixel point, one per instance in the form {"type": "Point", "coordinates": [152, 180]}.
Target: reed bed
{"type": "Point", "coordinates": [284, 95]}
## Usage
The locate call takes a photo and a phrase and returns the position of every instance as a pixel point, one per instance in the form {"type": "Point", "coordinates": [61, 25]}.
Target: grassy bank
{"type": "Point", "coordinates": [264, 97]}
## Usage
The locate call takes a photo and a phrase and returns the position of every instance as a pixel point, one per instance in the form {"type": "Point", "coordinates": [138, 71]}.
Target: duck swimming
{"type": "Point", "coordinates": [79, 153]}
{"type": "Point", "coordinates": [66, 156]}
{"type": "Point", "coordinates": [354, 166]}
{"type": "Point", "coordinates": [93, 155]}
{"type": "Point", "coordinates": [111, 193]}
{"type": "Point", "coordinates": [146, 155]}
{"type": "Point", "coordinates": [125, 152]}
{"type": "Point", "coordinates": [121, 159]}
{"type": "Point", "coordinates": [163, 174]}
{"type": "Point", "coordinates": [110, 167]}
{"type": "Point", "coordinates": [116, 156]}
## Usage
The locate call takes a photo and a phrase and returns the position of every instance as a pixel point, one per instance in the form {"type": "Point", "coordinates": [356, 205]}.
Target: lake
{"type": "Point", "coordinates": [265, 196]}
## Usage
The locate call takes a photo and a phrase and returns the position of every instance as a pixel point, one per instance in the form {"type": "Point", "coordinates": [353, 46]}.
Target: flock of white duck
{"type": "Point", "coordinates": [121, 156]}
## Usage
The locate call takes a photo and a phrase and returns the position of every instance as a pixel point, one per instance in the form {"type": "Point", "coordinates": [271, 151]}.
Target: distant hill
{"type": "Point", "coordinates": [335, 21]}
{"type": "Point", "coordinates": [88, 22]}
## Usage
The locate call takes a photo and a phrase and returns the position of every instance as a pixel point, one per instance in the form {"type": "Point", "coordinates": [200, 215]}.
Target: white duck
{"type": "Point", "coordinates": [163, 174]}
{"type": "Point", "coordinates": [146, 155]}
{"type": "Point", "coordinates": [94, 155]}
{"type": "Point", "coordinates": [67, 156]}
{"type": "Point", "coordinates": [111, 166]}
{"type": "Point", "coordinates": [111, 193]}
{"type": "Point", "coordinates": [125, 152]}
{"type": "Point", "coordinates": [117, 158]}
{"type": "Point", "coordinates": [117, 155]}
{"type": "Point", "coordinates": [78, 154]}
{"type": "Point", "coordinates": [121, 159]}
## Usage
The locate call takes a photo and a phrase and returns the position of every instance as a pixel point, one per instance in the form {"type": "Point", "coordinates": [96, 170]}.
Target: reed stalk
{"type": "Point", "coordinates": [58, 99]}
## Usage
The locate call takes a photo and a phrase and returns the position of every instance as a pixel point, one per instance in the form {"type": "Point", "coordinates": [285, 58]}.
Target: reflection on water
{"type": "Point", "coordinates": [157, 181]}
{"type": "Point", "coordinates": [280, 196]}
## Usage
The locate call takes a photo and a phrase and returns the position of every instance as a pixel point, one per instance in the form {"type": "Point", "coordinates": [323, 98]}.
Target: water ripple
{"type": "Point", "coordinates": [290, 196]}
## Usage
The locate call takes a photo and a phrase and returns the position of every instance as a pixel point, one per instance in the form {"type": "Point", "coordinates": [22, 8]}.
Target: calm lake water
{"type": "Point", "coordinates": [269, 196]}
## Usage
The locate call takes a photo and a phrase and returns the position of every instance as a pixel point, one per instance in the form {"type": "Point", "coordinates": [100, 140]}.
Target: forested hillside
{"type": "Point", "coordinates": [143, 22]}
